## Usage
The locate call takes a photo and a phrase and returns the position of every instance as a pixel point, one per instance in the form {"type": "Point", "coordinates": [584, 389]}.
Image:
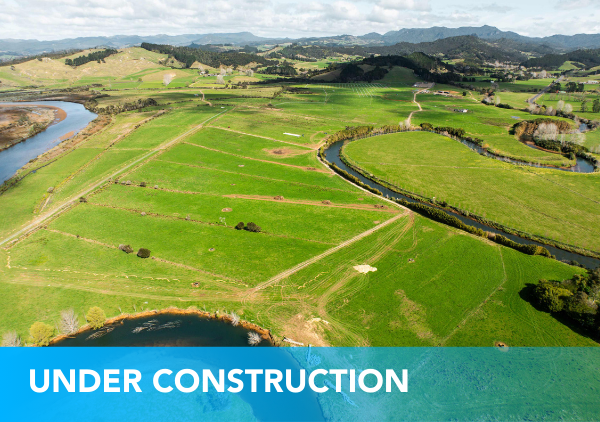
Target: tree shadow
{"type": "Point", "coordinates": [527, 293]}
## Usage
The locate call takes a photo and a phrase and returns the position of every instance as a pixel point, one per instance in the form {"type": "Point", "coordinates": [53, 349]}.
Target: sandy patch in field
{"type": "Point", "coordinates": [298, 329]}
{"type": "Point", "coordinates": [364, 269]}
{"type": "Point", "coordinates": [286, 152]}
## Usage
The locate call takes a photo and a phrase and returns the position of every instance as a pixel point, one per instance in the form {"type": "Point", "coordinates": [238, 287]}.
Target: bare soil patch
{"type": "Point", "coordinates": [286, 152]}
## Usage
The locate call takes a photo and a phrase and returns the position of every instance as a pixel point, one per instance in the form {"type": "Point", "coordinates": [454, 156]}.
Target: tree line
{"type": "Point", "coordinates": [98, 56]}
{"type": "Point", "coordinates": [188, 56]}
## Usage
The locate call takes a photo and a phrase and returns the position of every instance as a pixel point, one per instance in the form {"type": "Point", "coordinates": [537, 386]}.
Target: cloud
{"type": "Point", "coordinates": [57, 19]}
{"type": "Point", "coordinates": [404, 5]}
{"type": "Point", "coordinates": [576, 4]}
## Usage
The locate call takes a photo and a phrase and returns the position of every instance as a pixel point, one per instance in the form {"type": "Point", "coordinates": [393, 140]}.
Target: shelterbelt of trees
{"type": "Point", "coordinates": [188, 56]}
{"type": "Point", "coordinates": [95, 56]}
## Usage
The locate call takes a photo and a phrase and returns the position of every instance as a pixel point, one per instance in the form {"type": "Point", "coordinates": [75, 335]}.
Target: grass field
{"type": "Point", "coordinates": [540, 201]}
{"type": "Point", "coordinates": [178, 178]}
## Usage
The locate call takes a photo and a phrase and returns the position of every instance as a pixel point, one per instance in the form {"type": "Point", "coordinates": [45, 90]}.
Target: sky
{"type": "Point", "coordinates": [57, 19]}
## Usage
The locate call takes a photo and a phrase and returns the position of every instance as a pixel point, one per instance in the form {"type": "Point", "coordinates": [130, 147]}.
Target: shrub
{"type": "Point", "coordinates": [254, 338]}
{"type": "Point", "coordinates": [126, 248]}
{"type": "Point", "coordinates": [143, 184]}
{"type": "Point", "coordinates": [251, 227]}
{"type": "Point", "coordinates": [239, 226]}
{"type": "Point", "coordinates": [426, 126]}
{"type": "Point", "coordinates": [41, 333]}
{"type": "Point", "coordinates": [82, 199]}
{"type": "Point", "coordinates": [144, 253]}
{"type": "Point", "coordinates": [11, 339]}
{"type": "Point", "coordinates": [551, 297]}
{"type": "Point", "coordinates": [96, 317]}
{"type": "Point", "coordinates": [69, 323]}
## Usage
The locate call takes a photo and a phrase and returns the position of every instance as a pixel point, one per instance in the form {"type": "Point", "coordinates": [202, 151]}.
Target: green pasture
{"type": "Point", "coordinates": [552, 203]}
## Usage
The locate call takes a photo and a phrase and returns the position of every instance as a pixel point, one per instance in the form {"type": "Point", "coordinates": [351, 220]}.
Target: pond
{"type": "Point", "coordinates": [15, 157]}
{"type": "Point", "coordinates": [164, 330]}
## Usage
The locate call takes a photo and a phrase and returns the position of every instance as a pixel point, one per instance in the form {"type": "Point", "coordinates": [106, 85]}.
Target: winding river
{"type": "Point", "coordinates": [332, 153]}
{"type": "Point", "coordinates": [15, 157]}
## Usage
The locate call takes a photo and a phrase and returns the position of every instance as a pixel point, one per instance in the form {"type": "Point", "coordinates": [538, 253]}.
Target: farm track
{"type": "Point", "coordinates": [408, 120]}
{"type": "Point", "coordinates": [313, 147]}
{"type": "Point", "coordinates": [260, 160]}
{"type": "Point", "coordinates": [71, 201]}
{"type": "Point", "coordinates": [328, 252]}
{"type": "Point", "coordinates": [313, 203]}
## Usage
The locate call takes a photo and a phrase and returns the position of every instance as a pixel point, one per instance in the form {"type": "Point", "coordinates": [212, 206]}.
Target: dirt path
{"type": "Point", "coordinates": [35, 223]}
{"type": "Point", "coordinates": [328, 252]}
{"type": "Point", "coordinates": [362, 207]}
{"type": "Point", "coordinates": [418, 105]}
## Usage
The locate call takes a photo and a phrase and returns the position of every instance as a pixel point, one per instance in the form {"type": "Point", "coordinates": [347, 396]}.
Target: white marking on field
{"type": "Point", "coordinates": [292, 134]}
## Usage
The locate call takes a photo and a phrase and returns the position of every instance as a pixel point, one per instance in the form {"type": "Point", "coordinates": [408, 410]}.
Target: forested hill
{"type": "Point", "coordinates": [589, 58]}
{"type": "Point", "coordinates": [188, 56]}
{"type": "Point", "coordinates": [464, 47]}
{"type": "Point", "coordinates": [468, 47]}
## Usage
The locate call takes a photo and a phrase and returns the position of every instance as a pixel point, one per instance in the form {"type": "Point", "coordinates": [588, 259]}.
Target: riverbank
{"type": "Point", "coordinates": [19, 123]}
{"type": "Point", "coordinates": [265, 334]}
{"type": "Point", "coordinates": [22, 157]}
{"type": "Point", "coordinates": [331, 153]}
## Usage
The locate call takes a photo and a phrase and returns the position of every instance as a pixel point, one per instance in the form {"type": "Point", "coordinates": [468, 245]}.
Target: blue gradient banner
{"type": "Point", "coordinates": [441, 384]}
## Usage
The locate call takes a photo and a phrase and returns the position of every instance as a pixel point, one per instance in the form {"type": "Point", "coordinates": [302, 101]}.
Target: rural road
{"type": "Point", "coordinates": [42, 218]}
{"type": "Point", "coordinates": [533, 99]}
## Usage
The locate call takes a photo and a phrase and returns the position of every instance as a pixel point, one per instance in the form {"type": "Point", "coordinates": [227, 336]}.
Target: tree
{"type": "Point", "coordinates": [11, 339]}
{"type": "Point", "coordinates": [144, 253]}
{"type": "Point", "coordinates": [69, 323]}
{"type": "Point", "coordinates": [41, 333]}
{"type": "Point", "coordinates": [560, 105]}
{"type": "Point", "coordinates": [240, 226]}
{"type": "Point", "coordinates": [96, 317]}
{"type": "Point", "coordinates": [596, 106]}
{"type": "Point", "coordinates": [550, 297]}
{"type": "Point", "coordinates": [546, 132]}
{"type": "Point", "coordinates": [254, 338]}
{"type": "Point", "coordinates": [496, 99]}
{"type": "Point", "coordinates": [235, 319]}
{"type": "Point", "coordinates": [568, 109]}
{"type": "Point", "coordinates": [220, 80]}
{"type": "Point", "coordinates": [584, 106]}
{"type": "Point", "coordinates": [167, 79]}
{"type": "Point", "coordinates": [251, 227]}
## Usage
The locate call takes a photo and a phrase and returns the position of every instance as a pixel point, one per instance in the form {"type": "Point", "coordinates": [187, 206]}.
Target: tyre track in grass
{"type": "Point", "coordinates": [319, 257]}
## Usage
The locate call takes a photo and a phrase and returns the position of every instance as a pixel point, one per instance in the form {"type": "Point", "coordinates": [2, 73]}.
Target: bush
{"type": "Point", "coordinates": [426, 126]}
{"type": "Point", "coordinates": [144, 253]}
{"type": "Point", "coordinates": [240, 226]}
{"type": "Point", "coordinates": [251, 227]}
{"type": "Point", "coordinates": [126, 248]}
{"type": "Point", "coordinates": [143, 184]}
{"type": "Point", "coordinates": [10, 339]}
{"type": "Point", "coordinates": [41, 333]}
{"type": "Point", "coordinates": [96, 317]}
{"type": "Point", "coordinates": [550, 297]}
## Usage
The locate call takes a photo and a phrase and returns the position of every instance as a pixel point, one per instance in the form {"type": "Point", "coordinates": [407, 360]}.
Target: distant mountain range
{"type": "Point", "coordinates": [412, 35]}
